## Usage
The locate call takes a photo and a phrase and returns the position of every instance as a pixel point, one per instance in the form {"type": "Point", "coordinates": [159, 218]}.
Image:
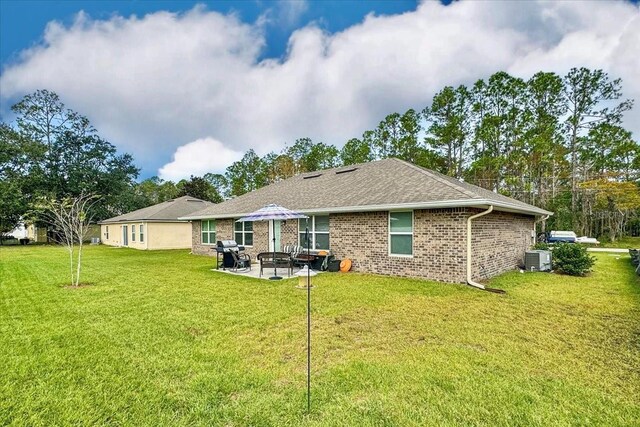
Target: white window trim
{"type": "Point", "coordinates": [243, 232]}
{"type": "Point", "coordinates": [312, 233]}
{"type": "Point", "coordinates": [215, 232]}
{"type": "Point", "coordinates": [401, 233]}
{"type": "Point", "coordinates": [106, 232]}
{"type": "Point", "coordinates": [141, 233]}
{"type": "Point", "coordinates": [133, 232]}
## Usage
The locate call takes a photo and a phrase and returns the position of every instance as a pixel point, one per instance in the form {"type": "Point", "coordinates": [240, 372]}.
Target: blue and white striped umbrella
{"type": "Point", "coordinates": [270, 212]}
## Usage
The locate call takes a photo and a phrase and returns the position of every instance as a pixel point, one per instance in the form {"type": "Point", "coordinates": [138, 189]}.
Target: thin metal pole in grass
{"type": "Point", "coordinates": [306, 232]}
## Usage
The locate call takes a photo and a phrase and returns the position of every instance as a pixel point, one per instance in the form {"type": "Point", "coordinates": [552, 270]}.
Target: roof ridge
{"type": "Point", "coordinates": [441, 180]}
{"type": "Point", "coordinates": [169, 204]}
{"type": "Point", "coordinates": [147, 212]}
{"type": "Point", "coordinates": [335, 168]}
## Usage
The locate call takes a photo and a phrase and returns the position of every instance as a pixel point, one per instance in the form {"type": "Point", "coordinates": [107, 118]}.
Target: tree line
{"type": "Point", "coordinates": [553, 141]}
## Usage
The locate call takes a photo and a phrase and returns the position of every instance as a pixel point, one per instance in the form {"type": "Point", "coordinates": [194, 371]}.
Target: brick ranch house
{"type": "Point", "coordinates": [389, 217]}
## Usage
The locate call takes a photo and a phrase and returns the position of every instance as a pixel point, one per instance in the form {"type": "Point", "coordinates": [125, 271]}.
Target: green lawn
{"type": "Point", "coordinates": [623, 243]}
{"type": "Point", "coordinates": [159, 339]}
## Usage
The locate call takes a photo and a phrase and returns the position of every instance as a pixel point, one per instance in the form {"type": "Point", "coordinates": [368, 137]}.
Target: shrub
{"type": "Point", "coordinates": [572, 259]}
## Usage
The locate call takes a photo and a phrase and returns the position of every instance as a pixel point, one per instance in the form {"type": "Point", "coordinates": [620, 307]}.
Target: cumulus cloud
{"type": "Point", "coordinates": [197, 158]}
{"type": "Point", "coordinates": [151, 83]}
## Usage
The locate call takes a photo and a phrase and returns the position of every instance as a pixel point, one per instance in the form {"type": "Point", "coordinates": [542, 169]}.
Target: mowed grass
{"type": "Point", "coordinates": [622, 243]}
{"type": "Point", "coordinates": [160, 339]}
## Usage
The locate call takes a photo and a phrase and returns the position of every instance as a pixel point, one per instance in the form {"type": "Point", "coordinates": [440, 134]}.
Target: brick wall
{"type": "Point", "coordinates": [196, 241]}
{"type": "Point", "coordinates": [225, 231]}
{"type": "Point", "coordinates": [498, 242]}
{"type": "Point", "coordinates": [439, 246]}
{"type": "Point", "coordinates": [439, 242]}
{"type": "Point", "coordinates": [289, 233]}
{"type": "Point", "coordinates": [438, 239]}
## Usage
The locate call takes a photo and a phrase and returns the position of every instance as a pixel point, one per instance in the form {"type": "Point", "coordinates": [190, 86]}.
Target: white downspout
{"type": "Point", "coordinates": [472, 217]}
{"type": "Point", "coordinates": [542, 218]}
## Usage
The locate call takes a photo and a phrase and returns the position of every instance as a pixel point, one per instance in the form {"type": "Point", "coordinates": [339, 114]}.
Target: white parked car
{"type": "Point", "coordinates": [585, 239]}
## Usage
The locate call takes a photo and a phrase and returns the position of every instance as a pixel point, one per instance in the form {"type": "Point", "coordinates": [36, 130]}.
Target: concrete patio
{"type": "Point", "coordinates": [266, 273]}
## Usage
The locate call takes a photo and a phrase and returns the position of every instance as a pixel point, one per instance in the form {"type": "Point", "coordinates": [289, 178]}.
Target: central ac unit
{"type": "Point", "coordinates": [537, 260]}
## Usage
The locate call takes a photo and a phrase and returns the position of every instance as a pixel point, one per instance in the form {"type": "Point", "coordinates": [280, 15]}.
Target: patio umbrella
{"type": "Point", "coordinates": [276, 212]}
{"type": "Point", "coordinates": [272, 213]}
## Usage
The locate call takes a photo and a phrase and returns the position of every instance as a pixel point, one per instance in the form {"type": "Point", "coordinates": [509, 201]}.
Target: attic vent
{"type": "Point", "coordinates": [312, 176]}
{"type": "Point", "coordinates": [346, 171]}
{"type": "Point", "coordinates": [193, 200]}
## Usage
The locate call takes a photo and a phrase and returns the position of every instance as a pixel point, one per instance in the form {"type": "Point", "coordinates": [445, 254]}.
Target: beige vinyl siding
{"type": "Point", "coordinates": [168, 235]}
{"type": "Point", "coordinates": [114, 237]}
{"type": "Point", "coordinates": [157, 235]}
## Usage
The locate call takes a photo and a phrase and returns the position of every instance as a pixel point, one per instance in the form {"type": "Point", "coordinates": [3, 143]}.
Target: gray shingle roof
{"type": "Point", "coordinates": [380, 185]}
{"type": "Point", "coordinates": [167, 211]}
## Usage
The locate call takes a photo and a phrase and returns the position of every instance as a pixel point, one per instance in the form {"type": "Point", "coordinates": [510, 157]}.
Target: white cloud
{"type": "Point", "coordinates": [197, 158]}
{"type": "Point", "coordinates": [149, 83]}
{"type": "Point", "coordinates": [291, 11]}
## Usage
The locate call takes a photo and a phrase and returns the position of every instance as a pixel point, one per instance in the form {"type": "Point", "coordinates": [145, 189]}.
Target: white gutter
{"type": "Point", "coordinates": [477, 203]}
{"type": "Point", "coordinates": [542, 218]}
{"type": "Point", "coordinates": [472, 217]}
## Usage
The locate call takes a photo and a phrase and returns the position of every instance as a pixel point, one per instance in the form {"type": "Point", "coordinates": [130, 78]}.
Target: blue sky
{"type": "Point", "coordinates": [22, 21]}
{"type": "Point", "coordinates": [188, 87]}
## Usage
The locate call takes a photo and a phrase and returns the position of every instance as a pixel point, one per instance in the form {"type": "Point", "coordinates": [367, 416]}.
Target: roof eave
{"type": "Point", "coordinates": [120, 221]}
{"type": "Point", "coordinates": [443, 204]}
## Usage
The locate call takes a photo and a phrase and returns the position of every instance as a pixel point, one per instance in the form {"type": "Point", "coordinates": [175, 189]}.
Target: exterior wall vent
{"type": "Point", "coordinates": [346, 171]}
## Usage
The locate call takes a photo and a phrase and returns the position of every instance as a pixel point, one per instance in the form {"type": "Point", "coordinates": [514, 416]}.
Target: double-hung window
{"type": "Point", "coordinates": [318, 231]}
{"type": "Point", "coordinates": [133, 233]}
{"type": "Point", "coordinates": [141, 228]}
{"type": "Point", "coordinates": [209, 232]}
{"type": "Point", "coordinates": [107, 232]}
{"type": "Point", "coordinates": [244, 233]}
{"type": "Point", "coordinates": [401, 233]}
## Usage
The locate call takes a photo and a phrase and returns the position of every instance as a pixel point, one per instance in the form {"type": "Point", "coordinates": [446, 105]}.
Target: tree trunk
{"type": "Point", "coordinates": [79, 263]}
{"type": "Point", "coordinates": [574, 168]}
{"type": "Point", "coordinates": [71, 264]}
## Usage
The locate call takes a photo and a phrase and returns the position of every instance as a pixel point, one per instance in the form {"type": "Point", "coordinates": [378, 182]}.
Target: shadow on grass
{"type": "Point", "coordinates": [78, 286]}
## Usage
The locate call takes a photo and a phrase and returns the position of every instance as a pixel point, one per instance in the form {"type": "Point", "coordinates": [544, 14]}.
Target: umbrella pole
{"type": "Point", "coordinates": [308, 322]}
{"type": "Point", "coordinates": [275, 265]}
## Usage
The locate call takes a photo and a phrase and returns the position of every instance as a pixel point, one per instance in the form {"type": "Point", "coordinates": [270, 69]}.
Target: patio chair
{"type": "Point", "coordinates": [297, 253]}
{"type": "Point", "coordinates": [275, 260]}
{"type": "Point", "coordinates": [240, 261]}
{"type": "Point", "coordinates": [293, 250]}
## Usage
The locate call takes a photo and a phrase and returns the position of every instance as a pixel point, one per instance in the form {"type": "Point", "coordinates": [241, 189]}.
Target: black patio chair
{"type": "Point", "coordinates": [240, 261]}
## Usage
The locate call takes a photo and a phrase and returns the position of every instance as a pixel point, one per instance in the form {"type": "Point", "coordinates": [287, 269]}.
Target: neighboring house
{"type": "Point", "coordinates": [42, 235]}
{"type": "Point", "coordinates": [37, 234]}
{"type": "Point", "coordinates": [153, 227]}
{"type": "Point", "coordinates": [389, 217]}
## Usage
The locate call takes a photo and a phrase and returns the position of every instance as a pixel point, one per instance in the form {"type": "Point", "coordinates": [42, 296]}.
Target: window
{"type": "Point", "coordinates": [133, 233]}
{"type": "Point", "coordinates": [141, 228]}
{"type": "Point", "coordinates": [209, 232]}
{"type": "Point", "coordinates": [401, 233]}
{"type": "Point", "coordinates": [318, 231]}
{"type": "Point", "coordinates": [106, 234]}
{"type": "Point", "coordinates": [244, 233]}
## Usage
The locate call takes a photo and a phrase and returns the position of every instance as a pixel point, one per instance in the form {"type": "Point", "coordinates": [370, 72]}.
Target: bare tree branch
{"type": "Point", "coordinates": [71, 218]}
